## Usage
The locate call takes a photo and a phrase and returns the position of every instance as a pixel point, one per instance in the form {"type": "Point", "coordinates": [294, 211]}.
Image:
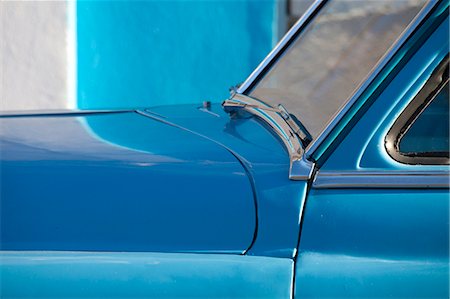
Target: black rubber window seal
{"type": "Point", "coordinates": [437, 81]}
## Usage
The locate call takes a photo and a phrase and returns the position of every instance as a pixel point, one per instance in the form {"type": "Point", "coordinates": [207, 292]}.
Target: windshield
{"type": "Point", "coordinates": [331, 57]}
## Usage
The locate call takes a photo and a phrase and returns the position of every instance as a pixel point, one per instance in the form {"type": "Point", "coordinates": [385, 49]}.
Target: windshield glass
{"type": "Point", "coordinates": [331, 57]}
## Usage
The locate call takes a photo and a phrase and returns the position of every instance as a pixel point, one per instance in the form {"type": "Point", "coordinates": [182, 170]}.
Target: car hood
{"type": "Point", "coordinates": [120, 181]}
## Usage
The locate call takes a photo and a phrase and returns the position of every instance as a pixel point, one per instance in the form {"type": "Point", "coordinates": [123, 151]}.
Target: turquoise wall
{"type": "Point", "coordinates": [148, 53]}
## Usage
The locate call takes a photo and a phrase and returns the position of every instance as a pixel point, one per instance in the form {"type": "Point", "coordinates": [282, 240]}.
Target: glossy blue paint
{"type": "Point", "coordinates": [142, 275]}
{"type": "Point", "coordinates": [120, 182]}
{"type": "Point", "coordinates": [279, 200]}
{"type": "Point", "coordinates": [342, 276]}
{"type": "Point", "coordinates": [379, 243]}
{"type": "Point", "coordinates": [414, 223]}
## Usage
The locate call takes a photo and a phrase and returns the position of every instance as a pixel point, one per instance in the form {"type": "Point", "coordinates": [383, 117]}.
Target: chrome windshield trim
{"type": "Point", "coordinates": [381, 179]}
{"type": "Point", "coordinates": [379, 66]}
{"type": "Point", "coordinates": [299, 169]}
{"type": "Point", "coordinates": [281, 46]}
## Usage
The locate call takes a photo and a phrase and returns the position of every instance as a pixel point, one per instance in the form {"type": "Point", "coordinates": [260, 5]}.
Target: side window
{"type": "Point", "coordinates": [421, 133]}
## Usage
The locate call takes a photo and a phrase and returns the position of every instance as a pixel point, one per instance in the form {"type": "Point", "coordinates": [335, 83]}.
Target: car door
{"type": "Point", "coordinates": [376, 221]}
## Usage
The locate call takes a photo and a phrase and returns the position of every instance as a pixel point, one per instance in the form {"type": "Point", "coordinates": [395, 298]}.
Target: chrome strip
{"type": "Point", "coordinates": [381, 179]}
{"type": "Point", "coordinates": [42, 113]}
{"type": "Point", "coordinates": [273, 55]}
{"type": "Point", "coordinates": [300, 169]}
{"type": "Point", "coordinates": [314, 145]}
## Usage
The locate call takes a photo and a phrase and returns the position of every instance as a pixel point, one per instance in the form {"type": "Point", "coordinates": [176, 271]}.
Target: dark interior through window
{"type": "Point", "coordinates": [429, 134]}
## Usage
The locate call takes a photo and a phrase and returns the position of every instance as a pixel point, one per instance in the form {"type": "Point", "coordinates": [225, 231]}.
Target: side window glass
{"type": "Point", "coordinates": [428, 135]}
{"type": "Point", "coordinates": [421, 133]}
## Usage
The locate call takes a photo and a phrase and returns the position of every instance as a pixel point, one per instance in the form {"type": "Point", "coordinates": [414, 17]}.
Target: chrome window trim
{"type": "Point", "coordinates": [379, 66]}
{"type": "Point", "coordinates": [382, 179]}
{"type": "Point", "coordinates": [278, 50]}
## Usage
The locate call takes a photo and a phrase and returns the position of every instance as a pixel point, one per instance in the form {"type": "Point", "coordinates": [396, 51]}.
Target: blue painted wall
{"type": "Point", "coordinates": [147, 53]}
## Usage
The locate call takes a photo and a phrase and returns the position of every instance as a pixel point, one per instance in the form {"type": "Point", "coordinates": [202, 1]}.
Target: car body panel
{"type": "Point", "coordinates": [379, 243]}
{"type": "Point", "coordinates": [370, 277]}
{"type": "Point", "coordinates": [142, 275]}
{"type": "Point", "coordinates": [279, 200]}
{"type": "Point", "coordinates": [141, 186]}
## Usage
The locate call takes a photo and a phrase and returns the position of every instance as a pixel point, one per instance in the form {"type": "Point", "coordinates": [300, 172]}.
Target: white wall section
{"type": "Point", "coordinates": [33, 55]}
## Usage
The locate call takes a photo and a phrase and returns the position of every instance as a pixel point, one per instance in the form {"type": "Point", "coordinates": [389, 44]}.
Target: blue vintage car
{"type": "Point", "coordinates": [325, 174]}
